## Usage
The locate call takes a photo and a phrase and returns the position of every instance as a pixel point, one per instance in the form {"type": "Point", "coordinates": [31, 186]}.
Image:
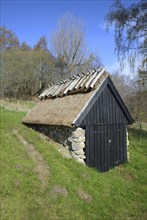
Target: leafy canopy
{"type": "Point", "coordinates": [130, 25]}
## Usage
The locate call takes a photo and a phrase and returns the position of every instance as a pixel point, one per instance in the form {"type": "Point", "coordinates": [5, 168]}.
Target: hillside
{"type": "Point", "coordinates": [38, 183]}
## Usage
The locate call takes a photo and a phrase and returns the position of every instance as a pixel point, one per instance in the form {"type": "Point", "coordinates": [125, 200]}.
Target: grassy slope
{"type": "Point", "coordinates": [117, 194]}
{"type": "Point", "coordinates": [18, 105]}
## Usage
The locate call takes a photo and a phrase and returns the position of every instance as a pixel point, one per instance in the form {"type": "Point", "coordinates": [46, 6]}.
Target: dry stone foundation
{"type": "Point", "coordinates": [128, 155]}
{"type": "Point", "coordinates": [76, 144]}
{"type": "Point", "coordinates": [72, 138]}
{"type": "Point", "coordinates": [57, 133]}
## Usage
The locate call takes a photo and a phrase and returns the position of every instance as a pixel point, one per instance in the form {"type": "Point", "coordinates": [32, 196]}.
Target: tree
{"type": "Point", "coordinates": [69, 46]}
{"type": "Point", "coordinates": [23, 73]}
{"type": "Point", "coordinates": [8, 40]}
{"type": "Point", "coordinates": [133, 94]}
{"type": "Point", "coordinates": [124, 85]}
{"type": "Point", "coordinates": [41, 44]}
{"type": "Point", "coordinates": [130, 31]}
{"type": "Point", "coordinates": [25, 46]}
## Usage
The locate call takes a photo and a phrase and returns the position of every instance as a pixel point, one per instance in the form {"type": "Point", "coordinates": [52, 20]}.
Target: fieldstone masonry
{"type": "Point", "coordinates": [128, 155]}
{"type": "Point", "coordinates": [72, 138]}
{"type": "Point", "coordinates": [76, 144]}
{"type": "Point", "coordinates": [57, 133]}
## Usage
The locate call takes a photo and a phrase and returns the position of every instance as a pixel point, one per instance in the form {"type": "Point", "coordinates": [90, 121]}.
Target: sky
{"type": "Point", "coordinates": [30, 20]}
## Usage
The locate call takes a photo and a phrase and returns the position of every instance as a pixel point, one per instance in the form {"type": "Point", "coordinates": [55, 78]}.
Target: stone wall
{"type": "Point", "coordinates": [128, 155]}
{"type": "Point", "coordinates": [57, 133]}
{"type": "Point", "coordinates": [72, 138]}
{"type": "Point", "coordinates": [76, 144]}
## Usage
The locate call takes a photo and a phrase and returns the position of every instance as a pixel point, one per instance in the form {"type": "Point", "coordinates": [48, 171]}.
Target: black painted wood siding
{"type": "Point", "coordinates": [106, 110]}
{"type": "Point", "coordinates": [105, 146]}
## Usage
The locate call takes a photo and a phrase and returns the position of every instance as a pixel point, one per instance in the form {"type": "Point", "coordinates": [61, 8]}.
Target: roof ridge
{"type": "Point", "coordinates": [77, 83]}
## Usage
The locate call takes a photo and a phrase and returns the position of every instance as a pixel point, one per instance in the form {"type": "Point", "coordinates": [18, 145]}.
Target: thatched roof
{"type": "Point", "coordinates": [62, 110]}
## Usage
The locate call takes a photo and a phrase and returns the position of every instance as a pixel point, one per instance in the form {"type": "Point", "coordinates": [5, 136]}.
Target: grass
{"type": "Point", "coordinates": [118, 194]}
{"type": "Point", "coordinates": [140, 126]}
{"type": "Point", "coordinates": [17, 105]}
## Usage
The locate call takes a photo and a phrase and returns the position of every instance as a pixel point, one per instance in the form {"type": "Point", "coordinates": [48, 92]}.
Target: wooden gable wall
{"type": "Point", "coordinates": [106, 110]}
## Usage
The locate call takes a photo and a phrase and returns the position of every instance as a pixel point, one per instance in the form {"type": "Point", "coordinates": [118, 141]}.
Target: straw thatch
{"type": "Point", "coordinates": [61, 110]}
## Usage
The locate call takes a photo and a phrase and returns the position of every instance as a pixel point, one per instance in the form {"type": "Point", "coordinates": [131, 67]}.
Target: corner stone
{"type": "Point", "coordinates": [78, 132]}
{"type": "Point", "coordinates": [79, 152]}
{"type": "Point", "coordinates": [77, 146]}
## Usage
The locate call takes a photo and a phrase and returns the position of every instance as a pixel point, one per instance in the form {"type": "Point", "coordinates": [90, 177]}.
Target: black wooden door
{"type": "Point", "coordinates": [105, 146]}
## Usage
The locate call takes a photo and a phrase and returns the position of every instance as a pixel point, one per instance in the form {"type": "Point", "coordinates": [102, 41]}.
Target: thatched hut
{"type": "Point", "coordinates": [87, 115]}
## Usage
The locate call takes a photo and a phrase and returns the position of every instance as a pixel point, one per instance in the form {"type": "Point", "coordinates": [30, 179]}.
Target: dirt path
{"type": "Point", "coordinates": [42, 168]}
